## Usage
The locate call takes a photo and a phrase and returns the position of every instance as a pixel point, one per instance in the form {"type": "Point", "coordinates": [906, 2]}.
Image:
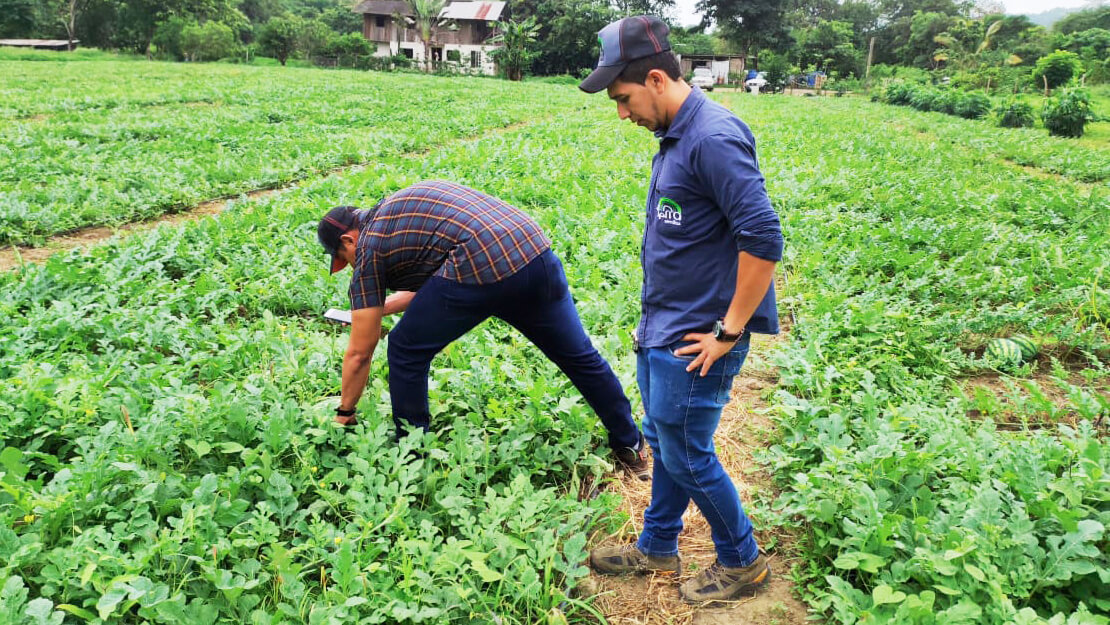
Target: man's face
{"type": "Point", "coordinates": [641, 104]}
{"type": "Point", "coordinates": [348, 243]}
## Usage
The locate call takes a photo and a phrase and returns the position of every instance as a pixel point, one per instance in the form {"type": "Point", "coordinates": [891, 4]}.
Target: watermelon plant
{"type": "Point", "coordinates": [110, 156]}
{"type": "Point", "coordinates": [167, 457]}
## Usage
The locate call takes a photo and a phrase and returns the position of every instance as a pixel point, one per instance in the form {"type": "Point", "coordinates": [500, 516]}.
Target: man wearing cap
{"type": "Point", "coordinates": [454, 257]}
{"type": "Point", "coordinates": [708, 215]}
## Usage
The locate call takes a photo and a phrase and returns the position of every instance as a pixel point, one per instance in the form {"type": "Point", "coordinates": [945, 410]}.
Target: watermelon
{"type": "Point", "coordinates": [1003, 353]}
{"type": "Point", "coordinates": [1028, 347]}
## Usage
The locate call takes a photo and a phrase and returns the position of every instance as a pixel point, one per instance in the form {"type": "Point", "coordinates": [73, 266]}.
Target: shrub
{"type": "Point", "coordinates": [208, 42]}
{"type": "Point", "coordinates": [1057, 69]}
{"type": "Point", "coordinates": [1015, 114]}
{"type": "Point", "coordinates": [973, 105]}
{"type": "Point", "coordinates": [167, 37]}
{"type": "Point", "coordinates": [1067, 114]}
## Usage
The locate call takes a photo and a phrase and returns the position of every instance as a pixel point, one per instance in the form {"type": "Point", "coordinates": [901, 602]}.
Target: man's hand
{"type": "Point", "coordinates": [708, 349]}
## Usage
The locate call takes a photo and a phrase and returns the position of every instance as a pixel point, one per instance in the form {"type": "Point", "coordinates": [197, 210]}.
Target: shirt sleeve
{"type": "Point", "coordinates": [367, 284]}
{"type": "Point", "coordinates": [727, 164]}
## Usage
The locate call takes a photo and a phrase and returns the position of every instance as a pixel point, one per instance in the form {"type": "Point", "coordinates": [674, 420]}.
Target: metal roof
{"type": "Point", "coordinates": [33, 43]}
{"type": "Point", "coordinates": [488, 11]}
{"type": "Point", "coordinates": [383, 7]}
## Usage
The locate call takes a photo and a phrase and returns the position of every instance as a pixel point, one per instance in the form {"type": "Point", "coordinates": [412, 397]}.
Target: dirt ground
{"type": "Point", "coordinates": [653, 599]}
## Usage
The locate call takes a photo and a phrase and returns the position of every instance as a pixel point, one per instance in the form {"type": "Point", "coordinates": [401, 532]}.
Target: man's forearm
{"type": "Point", "coordinates": [356, 371]}
{"type": "Point", "coordinates": [753, 278]}
{"type": "Point", "coordinates": [398, 302]}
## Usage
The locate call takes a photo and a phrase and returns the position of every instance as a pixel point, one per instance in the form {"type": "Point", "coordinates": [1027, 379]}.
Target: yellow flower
{"type": "Point", "coordinates": [28, 519]}
{"type": "Point", "coordinates": [338, 539]}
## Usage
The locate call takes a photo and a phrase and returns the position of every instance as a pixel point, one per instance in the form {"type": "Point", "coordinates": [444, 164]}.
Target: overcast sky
{"type": "Point", "coordinates": [684, 9]}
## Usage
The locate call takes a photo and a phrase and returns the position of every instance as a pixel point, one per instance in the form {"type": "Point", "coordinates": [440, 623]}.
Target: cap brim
{"type": "Point", "coordinates": [601, 78]}
{"type": "Point", "coordinates": [337, 264]}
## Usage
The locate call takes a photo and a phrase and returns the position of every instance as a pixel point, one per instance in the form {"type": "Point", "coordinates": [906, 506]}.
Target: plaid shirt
{"type": "Point", "coordinates": [440, 228]}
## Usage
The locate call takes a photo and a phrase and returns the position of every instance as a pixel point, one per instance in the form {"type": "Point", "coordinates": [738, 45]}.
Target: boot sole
{"type": "Point", "coordinates": [599, 571]}
{"type": "Point", "coordinates": [744, 592]}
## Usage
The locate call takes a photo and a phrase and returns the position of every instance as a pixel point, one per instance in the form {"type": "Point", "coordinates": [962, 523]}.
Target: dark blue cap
{"type": "Point", "coordinates": [622, 42]}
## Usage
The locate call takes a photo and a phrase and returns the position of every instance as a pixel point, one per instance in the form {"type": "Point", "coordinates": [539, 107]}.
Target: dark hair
{"type": "Point", "coordinates": [637, 71]}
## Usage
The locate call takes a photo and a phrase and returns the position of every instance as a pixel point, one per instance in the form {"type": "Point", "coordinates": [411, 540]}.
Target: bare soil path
{"type": "Point", "coordinates": [653, 599]}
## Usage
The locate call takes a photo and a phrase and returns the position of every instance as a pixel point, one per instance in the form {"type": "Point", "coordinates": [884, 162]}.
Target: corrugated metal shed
{"type": "Point", "coordinates": [488, 11]}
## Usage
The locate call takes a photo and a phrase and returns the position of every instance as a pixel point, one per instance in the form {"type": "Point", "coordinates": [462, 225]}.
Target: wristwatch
{"type": "Point", "coordinates": [722, 336]}
{"type": "Point", "coordinates": [339, 412]}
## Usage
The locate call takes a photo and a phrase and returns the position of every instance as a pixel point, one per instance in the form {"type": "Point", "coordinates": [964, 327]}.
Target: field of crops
{"type": "Point", "coordinates": [166, 456]}
{"type": "Point", "coordinates": [135, 140]}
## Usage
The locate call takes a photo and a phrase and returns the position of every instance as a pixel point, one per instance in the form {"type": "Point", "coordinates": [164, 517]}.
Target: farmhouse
{"type": "Point", "coordinates": [464, 38]}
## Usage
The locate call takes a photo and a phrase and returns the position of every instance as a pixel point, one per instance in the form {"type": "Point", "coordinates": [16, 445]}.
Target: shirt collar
{"type": "Point", "coordinates": [685, 115]}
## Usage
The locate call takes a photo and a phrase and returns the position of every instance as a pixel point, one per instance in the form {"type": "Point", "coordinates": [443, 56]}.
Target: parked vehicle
{"type": "Point", "coordinates": [759, 82]}
{"type": "Point", "coordinates": [703, 78]}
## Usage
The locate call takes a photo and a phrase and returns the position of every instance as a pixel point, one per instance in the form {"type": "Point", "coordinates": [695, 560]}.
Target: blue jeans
{"type": "Point", "coordinates": [535, 301]}
{"type": "Point", "coordinates": [682, 412]}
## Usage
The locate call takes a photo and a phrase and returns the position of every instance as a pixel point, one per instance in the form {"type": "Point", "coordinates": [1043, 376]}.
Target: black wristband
{"type": "Point", "coordinates": [345, 413]}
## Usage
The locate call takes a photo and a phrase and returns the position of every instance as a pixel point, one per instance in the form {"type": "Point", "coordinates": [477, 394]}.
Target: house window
{"type": "Point", "coordinates": [379, 21]}
{"type": "Point", "coordinates": [407, 52]}
{"type": "Point", "coordinates": [475, 58]}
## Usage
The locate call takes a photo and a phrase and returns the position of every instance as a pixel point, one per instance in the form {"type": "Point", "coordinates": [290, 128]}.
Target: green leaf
{"type": "Point", "coordinates": [12, 460]}
{"type": "Point", "coordinates": [109, 600]}
{"type": "Point", "coordinates": [952, 592]}
{"type": "Point", "coordinates": [885, 594]}
{"type": "Point", "coordinates": [76, 611]}
{"type": "Point", "coordinates": [975, 572]}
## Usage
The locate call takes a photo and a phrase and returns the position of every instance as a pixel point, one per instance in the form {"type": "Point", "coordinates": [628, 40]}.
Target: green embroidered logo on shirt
{"type": "Point", "coordinates": [669, 212]}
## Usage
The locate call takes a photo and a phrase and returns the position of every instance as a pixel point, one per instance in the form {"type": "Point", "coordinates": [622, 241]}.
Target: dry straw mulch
{"type": "Point", "coordinates": [653, 599]}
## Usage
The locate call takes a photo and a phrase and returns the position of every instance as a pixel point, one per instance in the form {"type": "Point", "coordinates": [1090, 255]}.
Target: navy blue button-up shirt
{"type": "Point", "coordinates": [707, 202]}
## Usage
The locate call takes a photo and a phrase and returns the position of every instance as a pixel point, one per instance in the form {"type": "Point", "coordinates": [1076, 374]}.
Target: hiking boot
{"type": "Point", "coordinates": [634, 460]}
{"type": "Point", "coordinates": [627, 558]}
{"type": "Point", "coordinates": [723, 583]}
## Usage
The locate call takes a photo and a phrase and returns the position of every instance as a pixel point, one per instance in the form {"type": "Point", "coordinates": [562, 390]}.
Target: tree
{"type": "Point", "coordinates": [427, 20]}
{"type": "Point", "coordinates": [19, 18]}
{"type": "Point", "coordinates": [750, 24]}
{"type": "Point", "coordinates": [1057, 69]}
{"type": "Point", "coordinates": [920, 46]}
{"type": "Point", "coordinates": [167, 38]}
{"type": "Point", "coordinates": [828, 46]}
{"type": "Point", "coordinates": [67, 11]}
{"type": "Point", "coordinates": [313, 36]}
{"type": "Point", "coordinates": [210, 41]}
{"type": "Point", "coordinates": [642, 7]}
{"type": "Point", "coordinates": [516, 54]}
{"type": "Point", "coordinates": [1084, 20]}
{"type": "Point", "coordinates": [279, 38]}
{"type": "Point", "coordinates": [566, 42]}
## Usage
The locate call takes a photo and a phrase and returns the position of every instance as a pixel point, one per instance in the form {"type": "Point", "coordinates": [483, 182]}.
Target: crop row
{"type": "Point", "coordinates": [905, 255]}
{"type": "Point", "coordinates": [165, 424]}
{"type": "Point", "coordinates": [116, 161]}
{"type": "Point", "coordinates": [167, 452]}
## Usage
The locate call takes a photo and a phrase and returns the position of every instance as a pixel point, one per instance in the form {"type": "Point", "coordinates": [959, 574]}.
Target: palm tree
{"type": "Point", "coordinates": [426, 15]}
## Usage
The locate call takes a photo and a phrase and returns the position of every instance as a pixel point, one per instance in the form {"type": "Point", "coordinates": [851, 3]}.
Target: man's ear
{"type": "Point", "coordinates": [656, 80]}
{"type": "Point", "coordinates": [350, 236]}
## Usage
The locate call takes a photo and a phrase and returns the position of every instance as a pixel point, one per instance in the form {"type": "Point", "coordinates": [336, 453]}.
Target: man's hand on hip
{"type": "Point", "coordinates": [708, 349]}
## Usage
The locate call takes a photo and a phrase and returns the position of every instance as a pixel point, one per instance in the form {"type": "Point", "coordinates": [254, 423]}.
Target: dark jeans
{"type": "Point", "coordinates": [534, 300]}
{"type": "Point", "coordinates": [682, 410]}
